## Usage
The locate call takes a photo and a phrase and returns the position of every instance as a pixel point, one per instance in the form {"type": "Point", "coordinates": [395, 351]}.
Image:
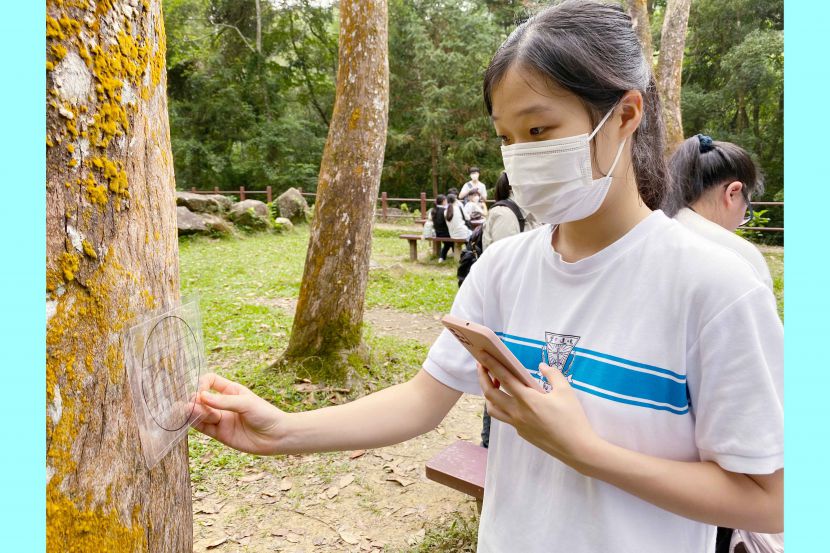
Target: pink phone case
{"type": "Point", "coordinates": [478, 338]}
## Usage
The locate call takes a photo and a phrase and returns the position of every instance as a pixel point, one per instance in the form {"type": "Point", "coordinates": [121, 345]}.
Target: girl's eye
{"type": "Point", "coordinates": [536, 131]}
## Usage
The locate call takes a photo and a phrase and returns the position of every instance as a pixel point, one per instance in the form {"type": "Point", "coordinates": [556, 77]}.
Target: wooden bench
{"type": "Point", "coordinates": [457, 243]}
{"type": "Point", "coordinates": [462, 467]}
{"type": "Point", "coordinates": [413, 244]}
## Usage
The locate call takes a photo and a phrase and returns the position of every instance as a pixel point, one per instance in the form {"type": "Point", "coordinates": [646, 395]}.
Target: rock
{"type": "Point", "coordinates": [215, 224]}
{"type": "Point", "coordinates": [188, 222]}
{"type": "Point", "coordinates": [292, 205]}
{"type": "Point", "coordinates": [281, 224]}
{"type": "Point", "coordinates": [203, 203]}
{"type": "Point", "coordinates": [251, 214]}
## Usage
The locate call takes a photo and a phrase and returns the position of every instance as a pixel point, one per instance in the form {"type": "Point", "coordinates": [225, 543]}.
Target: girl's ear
{"type": "Point", "coordinates": [732, 193]}
{"type": "Point", "coordinates": [630, 109]}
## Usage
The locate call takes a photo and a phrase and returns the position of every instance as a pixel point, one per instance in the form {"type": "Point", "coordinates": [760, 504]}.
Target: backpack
{"type": "Point", "coordinates": [475, 247]}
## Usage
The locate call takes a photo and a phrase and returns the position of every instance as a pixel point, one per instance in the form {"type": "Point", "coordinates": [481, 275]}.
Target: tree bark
{"type": "Point", "coordinates": [112, 254]}
{"type": "Point", "coordinates": [329, 316]}
{"type": "Point", "coordinates": [669, 67]}
{"type": "Point", "coordinates": [638, 10]}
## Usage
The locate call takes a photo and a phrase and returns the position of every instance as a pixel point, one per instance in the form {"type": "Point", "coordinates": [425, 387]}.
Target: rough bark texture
{"type": "Point", "coordinates": [638, 10]}
{"type": "Point", "coordinates": [329, 315]}
{"type": "Point", "coordinates": [669, 66]}
{"type": "Point", "coordinates": [111, 254]}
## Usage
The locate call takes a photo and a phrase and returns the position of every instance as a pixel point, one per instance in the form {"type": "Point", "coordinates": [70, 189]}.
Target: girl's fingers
{"type": "Point", "coordinates": [494, 411]}
{"type": "Point", "coordinates": [212, 381]}
{"type": "Point", "coordinates": [510, 383]}
{"type": "Point", "coordinates": [206, 414]}
{"type": "Point", "coordinates": [492, 394]}
{"type": "Point", "coordinates": [235, 403]}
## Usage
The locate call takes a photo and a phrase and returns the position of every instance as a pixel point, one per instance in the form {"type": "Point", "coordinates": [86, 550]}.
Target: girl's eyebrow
{"type": "Point", "coordinates": [536, 108]}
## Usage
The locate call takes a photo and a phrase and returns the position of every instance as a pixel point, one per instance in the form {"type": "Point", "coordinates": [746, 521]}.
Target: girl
{"type": "Point", "coordinates": [712, 185]}
{"type": "Point", "coordinates": [669, 422]}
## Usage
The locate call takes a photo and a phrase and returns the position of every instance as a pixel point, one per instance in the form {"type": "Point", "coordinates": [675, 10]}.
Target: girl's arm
{"type": "Point", "coordinates": [240, 419]}
{"type": "Point", "coordinates": [703, 491]}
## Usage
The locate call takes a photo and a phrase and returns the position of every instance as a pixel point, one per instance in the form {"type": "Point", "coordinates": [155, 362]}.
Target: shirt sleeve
{"type": "Point", "coordinates": [735, 380]}
{"type": "Point", "coordinates": [447, 360]}
{"type": "Point", "coordinates": [501, 223]}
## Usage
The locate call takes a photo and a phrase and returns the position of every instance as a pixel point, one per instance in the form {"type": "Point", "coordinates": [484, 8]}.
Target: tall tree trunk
{"type": "Point", "coordinates": [638, 10]}
{"type": "Point", "coordinates": [329, 317]}
{"type": "Point", "coordinates": [669, 67]}
{"type": "Point", "coordinates": [434, 157]}
{"type": "Point", "coordinates": [111, 254]}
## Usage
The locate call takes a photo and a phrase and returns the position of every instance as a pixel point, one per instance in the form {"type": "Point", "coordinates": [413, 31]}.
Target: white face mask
{"type": "Point", "coordinates": [552, 179]}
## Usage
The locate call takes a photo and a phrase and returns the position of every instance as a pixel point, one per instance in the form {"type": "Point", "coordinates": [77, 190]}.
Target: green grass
{"type": "Point", "coordinates": [459, 535]}
{"type": "Point", "coordinates": [775, 261]}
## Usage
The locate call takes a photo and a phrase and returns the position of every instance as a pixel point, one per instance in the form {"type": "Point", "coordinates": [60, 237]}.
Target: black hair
{"type": "Point", "coordinates": [439, 199]}
{"type": "Point", "coordinates": [473, 169]}
{"type": "Point", "coordinates": [453, 191]}
{"type": "Point", "coordinates": [502, 187]}
{"type": "Point", "coordinates": [591, 49]}
{"type": "Point", "coordinates": [700, 163]}
{"type": "Point", "coordinates": [450, 211]}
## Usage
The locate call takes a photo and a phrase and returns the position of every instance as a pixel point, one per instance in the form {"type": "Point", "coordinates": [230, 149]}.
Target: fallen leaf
{"type": "Point", "coordinates": [462, 437]}
{"type": "Point", "coordinates": [319, 541]}
{"type": "Point", "coordinates": [385, 456]}
{"type": "Point", "coordinates": [357, 453]}
{"type": "Point", "coordinates": [252, 477]}
{"type": "Point", "coordinates": [285, 485]}
{"type": "Point", "coordinates": [345, 480]}
{"type": "Point", "coordinates": [400, 480]}
{"type": "Point", "coordinates": [280, 532]}
{"type": "Point", "coordinates": [217, 542]}
{"type": "Point", "coordinates": [407, 512]}
{"type": "Point", "coordinates": [217, 349]}
{"type": "Point", "coordinates": [332, 492]}
{"type": "Point", "coordinates": [292, 537]}
{"type": "Point", "coordinates": [349, 537]}
{"type": "Point", "coordinates": [440, 430]}
{"type": "Point", "coordinates": [207, 508]}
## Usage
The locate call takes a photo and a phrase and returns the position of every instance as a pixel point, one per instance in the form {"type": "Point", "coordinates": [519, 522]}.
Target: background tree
{"type": "Point", "coordinates": [329, 317]}
{"type": "Point", "coordinates": [112, 254]}
{"type": "Point", "coordinates": [670, 66]}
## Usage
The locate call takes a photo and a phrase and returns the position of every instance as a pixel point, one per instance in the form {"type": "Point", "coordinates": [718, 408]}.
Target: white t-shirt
{"type": "Point", "coordinates": [669, 353]}
{"type": "Point", "coordinates": [457, 227]}
{"type": "Point", "coordinates": [468, 186]}
{"type": "Point", "coordinates": [713, 231]}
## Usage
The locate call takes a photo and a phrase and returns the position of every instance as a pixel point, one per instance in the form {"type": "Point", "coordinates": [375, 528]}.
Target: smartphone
{"type": "Point", "coordinates": [478, 338]}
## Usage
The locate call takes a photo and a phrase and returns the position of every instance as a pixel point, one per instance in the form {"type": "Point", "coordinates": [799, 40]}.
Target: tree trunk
{"type": "Point", "coordinates": [329, 317]}
{"type": "Point", "coordinates": [669, 67]}
{"type": "Point", "coordinates": [638, 10]}
{"type": "Point", "coordinates": [434, 156]}
{"type": "Point", "coordinates": [112, 254]}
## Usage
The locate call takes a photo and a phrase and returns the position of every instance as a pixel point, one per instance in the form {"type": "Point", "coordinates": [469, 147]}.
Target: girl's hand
{"type": "Point", "coordinates": [236, 416]}
{"type": "Point", "coordinates": [554, 422]}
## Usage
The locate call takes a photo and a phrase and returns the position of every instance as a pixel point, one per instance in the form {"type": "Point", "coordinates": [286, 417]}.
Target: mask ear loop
{"type": "Point", "coordinates": [619, 150]}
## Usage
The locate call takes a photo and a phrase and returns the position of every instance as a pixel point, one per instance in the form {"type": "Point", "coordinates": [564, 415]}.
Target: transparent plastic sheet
{"type": "Point", "coordinates": [164, 355]}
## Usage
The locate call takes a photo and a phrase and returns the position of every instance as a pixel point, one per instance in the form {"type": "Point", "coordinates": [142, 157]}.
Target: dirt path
{"type": "Point", "coordinates": [390, 322]}
{"type": "Point", "coordinates": [377, 500]}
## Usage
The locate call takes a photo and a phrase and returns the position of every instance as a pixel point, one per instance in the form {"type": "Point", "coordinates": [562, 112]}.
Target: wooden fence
{"type": "Point", "coordinates": [384, 200]}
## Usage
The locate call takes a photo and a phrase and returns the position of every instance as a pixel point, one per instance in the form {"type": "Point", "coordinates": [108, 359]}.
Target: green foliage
{"type": "Point", "coordinates": [461, 536]}
{"type": "Point", "coordinates": [758, 220]}
{"type": "Point", "coordinates": [733, 84]}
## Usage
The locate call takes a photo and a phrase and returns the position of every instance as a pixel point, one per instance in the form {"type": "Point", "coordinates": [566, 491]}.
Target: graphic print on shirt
{"type": "Point", "coordinates": [610, 377]}
{"type": "Point", "coordinates": [557, 352]}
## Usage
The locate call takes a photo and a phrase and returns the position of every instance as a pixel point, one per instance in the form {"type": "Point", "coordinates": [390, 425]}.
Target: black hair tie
{"type": "Point", "coordinates": [706, 143]}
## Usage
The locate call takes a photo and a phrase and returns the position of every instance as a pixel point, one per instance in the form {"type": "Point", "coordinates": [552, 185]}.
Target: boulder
{"type": "Point", "coordinates": [203, 203]}
{"type": "Point", "coordinates": [292, 205]}
{"type": "Point", "coordinates": [281, 224]}
{"type": "Point", "coordinates": [216, 224]}
{"type": "Point", "coordinates": [251, 214]}
{"type": "Point", "coordinates": [188, 222]}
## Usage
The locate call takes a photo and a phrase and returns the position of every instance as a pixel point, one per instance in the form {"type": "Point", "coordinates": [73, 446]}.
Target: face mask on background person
{"type": "Point", "coordinates": [552, 179]}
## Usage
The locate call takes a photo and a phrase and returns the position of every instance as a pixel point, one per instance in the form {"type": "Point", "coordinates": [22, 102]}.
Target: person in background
{"type": "Point", "coordinates": [475, 208]}
{"type": "Point", "coordinates": [436, 216]}
{"type": "Point", "coordinates": [456, 223]}
{"type": "Point", "coordinates": [473, 184]}
{"type": "Point", "coordinates": [505, 218]}
{"type": "Point", "coordinates": [713, 184]}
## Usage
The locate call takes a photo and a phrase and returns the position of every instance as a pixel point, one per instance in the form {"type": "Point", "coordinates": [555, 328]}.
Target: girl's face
{"type": "Point", "coordinates": [527, 108]}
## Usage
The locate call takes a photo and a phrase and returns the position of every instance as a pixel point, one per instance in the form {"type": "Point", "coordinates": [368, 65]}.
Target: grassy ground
{"type": "Point", "coordinates": [235, 278]}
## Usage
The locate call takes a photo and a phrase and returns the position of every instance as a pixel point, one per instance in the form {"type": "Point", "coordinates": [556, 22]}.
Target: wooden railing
{"type": "Point", "coordinates": [422, 200]}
